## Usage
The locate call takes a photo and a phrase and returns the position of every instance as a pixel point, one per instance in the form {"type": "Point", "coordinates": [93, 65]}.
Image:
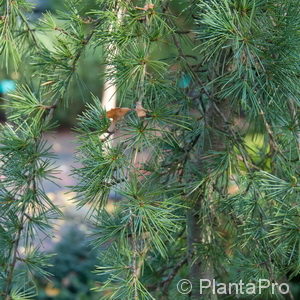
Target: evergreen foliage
{"type": "Point", "coordinates": [206, 158]}
{"type": "Point", "coordinates": [71, 269]}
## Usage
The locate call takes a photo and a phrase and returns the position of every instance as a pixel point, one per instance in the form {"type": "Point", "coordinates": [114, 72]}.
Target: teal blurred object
{"type": "Point", "coordinates": [7, 86]}
{"type": "Point", "coordinates": [185, 81]}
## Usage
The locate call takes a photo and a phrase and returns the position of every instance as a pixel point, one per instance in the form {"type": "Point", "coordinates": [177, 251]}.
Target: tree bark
{"type": "Point", "coordinates": [218, 117]}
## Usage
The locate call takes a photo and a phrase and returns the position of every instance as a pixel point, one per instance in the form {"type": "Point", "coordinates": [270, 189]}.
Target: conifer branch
{"type": "Point", "coordinates": [13, 254]}
{"type": "Point", "coordinates": [237, 183]}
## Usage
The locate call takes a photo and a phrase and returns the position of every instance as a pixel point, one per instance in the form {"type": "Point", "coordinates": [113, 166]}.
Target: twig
{"type": "Point", "coordinates": [74, 65]}
{"type": "Point", "coordinates": [30, 30]}
{"type": "Point", "coordinates": [168, 280]}
{"type": "Point", "coordinates": [10, 271]}
{"type": "Point", "coordinates": [182, 31]}
{"type": "Point", "coordinates": [166, 283]}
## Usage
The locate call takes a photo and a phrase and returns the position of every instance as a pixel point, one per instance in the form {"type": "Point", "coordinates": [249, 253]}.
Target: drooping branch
{"type": "Point", "coordinates": [48, 115]}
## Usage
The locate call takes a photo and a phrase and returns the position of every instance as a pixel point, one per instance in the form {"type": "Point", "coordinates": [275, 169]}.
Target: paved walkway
{"type": "Point", "coordinates": [64, 146]}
